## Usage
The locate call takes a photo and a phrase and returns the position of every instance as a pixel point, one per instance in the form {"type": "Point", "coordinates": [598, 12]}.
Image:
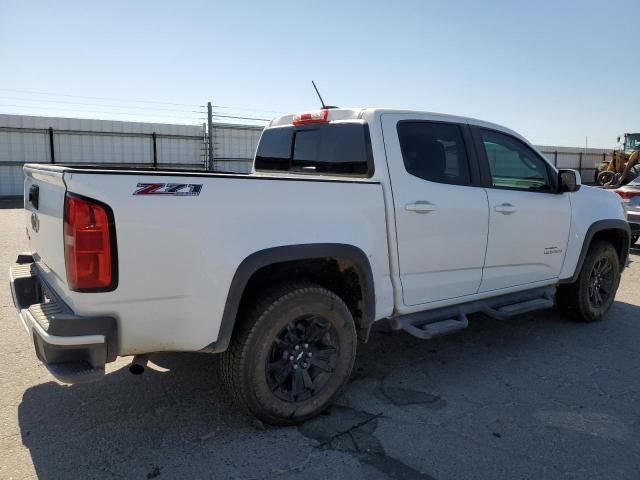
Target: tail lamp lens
{"type": "Point", "coordinates": [626, 194]}
{"type": "Point", "coordinates": [88, 240]}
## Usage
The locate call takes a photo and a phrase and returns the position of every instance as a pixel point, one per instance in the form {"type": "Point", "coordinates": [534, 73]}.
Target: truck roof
{"type": "Point", "coordinates": [369, 114]}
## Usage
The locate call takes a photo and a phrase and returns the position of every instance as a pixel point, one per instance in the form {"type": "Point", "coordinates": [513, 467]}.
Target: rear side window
{"type": "Point", "coordinates": [434, 151]}
{"type": "Point", "coordinates": [342, 149]}
{"type": "Point", "coordinates": [274, 150]}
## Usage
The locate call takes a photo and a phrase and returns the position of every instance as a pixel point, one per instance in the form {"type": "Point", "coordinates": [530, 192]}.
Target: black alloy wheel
{"type": "Point", "coordinates": [302, 358]}
{"type": "Point", "coordinates": [601, 282]}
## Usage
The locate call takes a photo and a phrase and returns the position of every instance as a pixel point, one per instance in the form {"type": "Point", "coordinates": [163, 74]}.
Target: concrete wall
{"type": "Point", "coordinates": [26, 139]}
{"type": "Point", "coordinates": [586, 160]}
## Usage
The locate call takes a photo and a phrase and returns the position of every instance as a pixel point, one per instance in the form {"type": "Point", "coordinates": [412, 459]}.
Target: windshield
{"type": "Point", "coordinates": [632, 142]}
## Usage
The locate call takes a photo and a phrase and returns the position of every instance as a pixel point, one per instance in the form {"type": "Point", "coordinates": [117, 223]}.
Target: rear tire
{"type": "Point", "coordinates": [592, 294]}
{"type": "Point", "coordinates": [292, 354]}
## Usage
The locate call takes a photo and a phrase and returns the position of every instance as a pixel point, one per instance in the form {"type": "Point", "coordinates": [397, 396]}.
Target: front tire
{"type": "Point", "coordinates": [592, 294]}
{"type": "Point", "coordinates": [292, 354]}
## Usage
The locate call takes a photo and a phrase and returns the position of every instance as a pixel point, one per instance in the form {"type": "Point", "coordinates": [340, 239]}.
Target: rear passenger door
{"type": "Point", "coordinates": [528, 220]}
{"type": "Point", "coordinates": [441, 210]}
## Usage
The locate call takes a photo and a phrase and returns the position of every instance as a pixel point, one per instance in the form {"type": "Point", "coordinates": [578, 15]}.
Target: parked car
{"type": "Point", "coordinates": [630, 194]}
{"type": "Point", "coordinates": [350, 216]}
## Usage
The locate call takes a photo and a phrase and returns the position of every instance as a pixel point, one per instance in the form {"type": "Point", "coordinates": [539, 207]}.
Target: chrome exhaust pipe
{"type": "Point", "coordinates": [138, 364]}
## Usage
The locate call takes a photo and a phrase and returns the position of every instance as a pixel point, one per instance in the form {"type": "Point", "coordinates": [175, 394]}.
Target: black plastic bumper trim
{"type": "Point", "coordinates": [35, 299]}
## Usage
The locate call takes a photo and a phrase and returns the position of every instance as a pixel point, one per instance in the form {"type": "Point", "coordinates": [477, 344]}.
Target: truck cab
{"type": "Point", "coordinates": [631, 142]}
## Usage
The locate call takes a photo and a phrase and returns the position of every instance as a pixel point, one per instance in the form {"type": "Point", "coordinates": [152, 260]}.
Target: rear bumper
{"type": "Point", "coordinates": [74, 349]}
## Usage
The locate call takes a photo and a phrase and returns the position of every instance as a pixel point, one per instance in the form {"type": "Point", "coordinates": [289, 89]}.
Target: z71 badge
{"type": "Point", "coordinates": [175, 189]}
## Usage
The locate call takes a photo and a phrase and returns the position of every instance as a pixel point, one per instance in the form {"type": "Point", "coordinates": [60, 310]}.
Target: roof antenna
{"type": "Point", "coordinates": [325, 107]}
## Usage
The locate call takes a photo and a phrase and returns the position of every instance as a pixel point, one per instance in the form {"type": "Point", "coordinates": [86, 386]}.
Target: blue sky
{"type": "Point", "coordinates": [556, 71]}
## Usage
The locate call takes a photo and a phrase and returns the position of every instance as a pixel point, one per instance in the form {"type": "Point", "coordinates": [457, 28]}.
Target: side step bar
{"type": "Point", "coordinates": [518, 308]}
{"type": "Point", "coordinates": [447, 320]}
{"type": "Point", "coordinates": [435, 329]}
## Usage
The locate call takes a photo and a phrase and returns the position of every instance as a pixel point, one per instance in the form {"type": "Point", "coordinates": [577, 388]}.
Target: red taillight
{"type": "Point", "coordinates": [627, 194]}
{"type": "Point", "coordinates": [321, 116]}
{"type": "Point", "coordinates": [88, 241]}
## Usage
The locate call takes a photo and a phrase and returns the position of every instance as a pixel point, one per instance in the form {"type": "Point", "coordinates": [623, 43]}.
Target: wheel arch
{"type": "Point", "coordinates": [614, 231]}
{"type": "Point", "coordinates": [272, 257]}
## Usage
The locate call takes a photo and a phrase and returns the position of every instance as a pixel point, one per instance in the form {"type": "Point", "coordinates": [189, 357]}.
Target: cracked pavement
{"type": "Point", "coordinates": [534, 397]}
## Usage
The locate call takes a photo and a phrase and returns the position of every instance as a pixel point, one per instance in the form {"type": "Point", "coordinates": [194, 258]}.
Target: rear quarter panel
{"type": "Point", "coordinates": [177, 254]}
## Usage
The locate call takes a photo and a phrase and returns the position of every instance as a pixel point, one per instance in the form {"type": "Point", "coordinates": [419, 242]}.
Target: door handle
{"type": "Point", "coordinates": [420, 207]}
{"type": "Point", "coordinates": [505, 208]}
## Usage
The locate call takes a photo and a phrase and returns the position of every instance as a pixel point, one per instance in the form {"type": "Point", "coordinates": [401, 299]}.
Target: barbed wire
{"type": "Point", "coordinates": [129, 100]}
{"type": "Point", "coordinates": [66, 102]}
{"type": "Point", "coordinates": [31, 92]}
{"type": "Point", "coordinates": [100, 112]}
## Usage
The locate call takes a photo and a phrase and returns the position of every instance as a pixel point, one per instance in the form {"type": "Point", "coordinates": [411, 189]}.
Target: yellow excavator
{"type": "Point", "coordinates": [624, 165]}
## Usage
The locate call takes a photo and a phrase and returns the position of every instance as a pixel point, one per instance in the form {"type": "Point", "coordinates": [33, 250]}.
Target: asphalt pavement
{"type": "Point", "coordinates": [537, 396]}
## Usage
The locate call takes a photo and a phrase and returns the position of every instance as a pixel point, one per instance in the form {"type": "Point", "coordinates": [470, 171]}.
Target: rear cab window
{"type": "Point", "coordinates": [329, 148]}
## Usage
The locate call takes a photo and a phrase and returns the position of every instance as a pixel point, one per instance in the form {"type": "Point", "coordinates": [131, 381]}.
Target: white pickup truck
{"type": "Point", "coordinates": [349, 216]}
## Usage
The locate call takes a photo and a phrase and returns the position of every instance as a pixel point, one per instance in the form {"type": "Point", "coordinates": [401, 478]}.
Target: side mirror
{"type": "Point", "coordinates": [569, 180]}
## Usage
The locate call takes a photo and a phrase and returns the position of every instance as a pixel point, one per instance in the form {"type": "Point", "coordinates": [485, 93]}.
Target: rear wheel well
{"type": "Point", "coordinates": [339, 275]}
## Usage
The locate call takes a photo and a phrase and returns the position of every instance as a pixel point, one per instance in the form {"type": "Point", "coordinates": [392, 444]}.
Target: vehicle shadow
{"type": "Point", "coordinates": [118, 426]}
{"type": "Point", "coordinates": [180, 423]}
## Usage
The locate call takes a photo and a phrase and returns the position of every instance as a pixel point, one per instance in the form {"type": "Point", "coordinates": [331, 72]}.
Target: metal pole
{"type": "Point", "coordinates": [580, 164]}
{"type": "Point", "coordinates": [555, 159]}
{"type": "Point", "coordinates": [210, 133]}
{"type": "Point", "coordinates": [155, 150]}
{"type": "Point", "coordinates": [51, 148]}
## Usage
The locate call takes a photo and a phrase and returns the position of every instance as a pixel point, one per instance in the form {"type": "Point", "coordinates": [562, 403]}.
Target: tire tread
{"type": "Point", "coordinates": [568, 298]}
{"type": "Point", "coordinates": [249, 321]}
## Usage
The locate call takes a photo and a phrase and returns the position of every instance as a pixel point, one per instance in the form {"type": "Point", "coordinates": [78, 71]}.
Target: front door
{"type": "Point", "coordinates": [528, 221]}
{"type": "Point", "coordinates": [441, 214]}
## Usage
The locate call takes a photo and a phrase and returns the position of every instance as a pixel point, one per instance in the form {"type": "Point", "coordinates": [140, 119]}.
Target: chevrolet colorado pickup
{"type": "Point", "coordinates": [349, 216]}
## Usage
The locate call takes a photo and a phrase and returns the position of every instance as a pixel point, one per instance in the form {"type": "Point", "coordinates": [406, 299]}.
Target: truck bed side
{"type": "Point", "coordinates": [177, 255]}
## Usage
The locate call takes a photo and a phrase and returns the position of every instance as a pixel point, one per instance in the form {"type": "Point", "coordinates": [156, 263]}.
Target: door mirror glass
{"type": "Point", "coordinates": [569, 180]}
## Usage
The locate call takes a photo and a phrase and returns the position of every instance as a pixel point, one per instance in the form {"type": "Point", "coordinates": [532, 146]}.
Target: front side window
{"type": "Point", "coordinates": [434, 151]}
{"type": "Point", "coordinates": [512, 164]}
{"type": "Point", "coordinates": [339, 149]}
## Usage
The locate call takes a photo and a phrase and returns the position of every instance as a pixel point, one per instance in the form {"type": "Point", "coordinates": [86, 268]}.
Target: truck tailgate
{"type": "Point", "coordinates": [44, 192]}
